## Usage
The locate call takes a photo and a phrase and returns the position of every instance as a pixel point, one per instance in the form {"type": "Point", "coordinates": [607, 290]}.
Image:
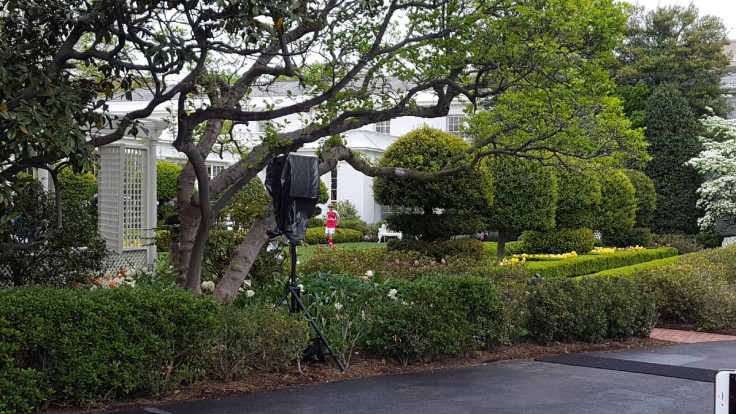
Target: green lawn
{"type": "Point", "coordinates": [629, 270]}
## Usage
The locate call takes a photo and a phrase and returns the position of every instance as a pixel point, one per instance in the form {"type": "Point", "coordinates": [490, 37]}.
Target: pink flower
{"type": "Point", "coordinates": [416, 263]}
{"type": "Point", "coordinates": [443, 261]}
{"type": "Point", "coordinates": [355, 260]}
{"type": "Point", "coordinates": [432, 263]}
{"type": "Point", "coordinates": [425, 267]}
{"type": "Point", "coordinates": [396, 262]}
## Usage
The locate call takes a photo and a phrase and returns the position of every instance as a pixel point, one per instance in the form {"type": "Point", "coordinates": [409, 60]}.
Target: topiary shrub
{"type": "Point", "coordinates": [644, 196]}
{"type": "Point", "coordinates": [316, 222]}
{"type": "Point", "coordinates": [470, 249]}
{"type": "Point", "coordinates": [317, 236]}
{"type": "Point", "coordinates": [578, 198]}
{"type": "Point", "coordinates": [559, 241]}
{"type": "Point", "coordinates": [617, 211]}
{"type": "Point", "coordinates": [167, 177]}
{"type": "Point", "coordinates": [428, 150]}
{"type": "Point", "coordinates": [640, 236]}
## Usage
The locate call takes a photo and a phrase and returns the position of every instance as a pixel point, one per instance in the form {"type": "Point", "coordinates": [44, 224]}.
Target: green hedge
{"type": "Point", "coordinates": [630, 270]}
{"type": "Point", "coordinates": [639, 236]}
{"type": "Point", "coordinates": [590, 309]}
{"type": "Point", "coordinates": [471, 249]}
{"type": "Point", "coordinates": [317, 236]}
{"type": "Point", "coordinates": [512, 248]}
{"type": "Point", "coordinates": [558, 241]}
{"type": "Point", "coordinates": [86, 347]}
{"type": "Point", "coordinates": [593, 263]}
{"type": "Point", "coordinates": [438, 316]}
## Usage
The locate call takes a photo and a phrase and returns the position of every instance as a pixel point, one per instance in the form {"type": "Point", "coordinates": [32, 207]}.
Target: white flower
{"type": "Point", "coordinates": [338, 306]}
{"type": "Point", "coordinates": [392, 293]}
{"type": "Point", "coordinates": [369, 273]}
{"type": "Point", "coordinates": [301, 287]}
{"type": "Point", "coordinates": [208, 286]}
{"type": "Point", "coordinates": [249, 293]}
{"type": "Point", "coordinates": [247, 282]}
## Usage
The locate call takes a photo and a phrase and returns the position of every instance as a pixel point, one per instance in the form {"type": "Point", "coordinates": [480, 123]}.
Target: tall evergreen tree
{"type": "Point", "coordinates": [672, 132]}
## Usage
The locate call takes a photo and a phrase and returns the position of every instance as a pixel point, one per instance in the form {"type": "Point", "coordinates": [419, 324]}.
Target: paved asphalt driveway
{"type": "Point", "coordinates": [505, 387]}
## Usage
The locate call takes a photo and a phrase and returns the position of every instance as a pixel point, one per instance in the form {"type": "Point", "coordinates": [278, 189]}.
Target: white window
{"type": "Point", "coordinates": [214, 170]}
{"type": "Point", "coordinates": [383, 127]}
{"type": "Point", "coordinates": [454, 122]}
{"type": "Point", "coordinates": [333, 184]}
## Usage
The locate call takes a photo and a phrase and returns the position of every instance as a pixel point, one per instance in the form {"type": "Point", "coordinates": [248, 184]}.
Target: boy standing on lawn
{"type": "Point", "coordinates": [333, 219]}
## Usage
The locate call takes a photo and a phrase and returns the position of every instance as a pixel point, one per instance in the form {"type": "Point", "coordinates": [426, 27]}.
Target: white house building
{"type": "Point", "coordinates": [343, 183]}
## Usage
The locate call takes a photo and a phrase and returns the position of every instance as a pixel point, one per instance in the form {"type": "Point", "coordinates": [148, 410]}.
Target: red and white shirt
{"type": "Point", "coordinates": [331, 221]}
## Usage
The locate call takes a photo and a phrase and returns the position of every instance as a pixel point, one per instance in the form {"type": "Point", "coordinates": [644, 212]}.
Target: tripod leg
{"type": "Point", "coordinates": [319, 332]}
{"type": "Point", "coordinates": [283, 298]}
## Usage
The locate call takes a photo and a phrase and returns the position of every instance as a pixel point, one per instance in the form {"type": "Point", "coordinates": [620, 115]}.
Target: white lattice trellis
{"type": "Point", "coordinates": [127, 200]}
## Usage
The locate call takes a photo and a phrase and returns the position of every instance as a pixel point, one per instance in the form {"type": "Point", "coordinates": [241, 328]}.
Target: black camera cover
{"type": "Point", "coordinates": [293, 183]}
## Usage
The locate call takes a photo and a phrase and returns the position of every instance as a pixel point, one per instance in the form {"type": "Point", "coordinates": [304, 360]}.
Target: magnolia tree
{"type": "Point", "coordinates": [538, 66]}
{"type": "Point", "coordinates": [717, 162]}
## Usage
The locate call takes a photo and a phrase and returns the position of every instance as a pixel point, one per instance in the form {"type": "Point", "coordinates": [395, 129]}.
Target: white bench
{"type": "Point", "coordinates": [384, 232]}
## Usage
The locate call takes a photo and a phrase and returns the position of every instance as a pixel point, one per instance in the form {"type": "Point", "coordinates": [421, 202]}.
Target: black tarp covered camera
{"type": "Point", "coordinates": [293, 183]}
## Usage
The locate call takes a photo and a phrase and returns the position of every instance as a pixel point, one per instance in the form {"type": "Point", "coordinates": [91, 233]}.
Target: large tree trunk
{"type": "Point", "coordinates": [189, 216]}
{"type": "Point", "coordinates": [243, 258]}
{"type": "Point", "coordinates": [502, 236]}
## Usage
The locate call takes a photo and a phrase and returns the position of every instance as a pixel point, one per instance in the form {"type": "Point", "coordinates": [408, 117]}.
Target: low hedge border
{"type": "Point", "coordinates": [630, 270]}
{"type": "Point", "coordinates": [317, 236]}
{"type": "Point", "coordinates": [589, 264]}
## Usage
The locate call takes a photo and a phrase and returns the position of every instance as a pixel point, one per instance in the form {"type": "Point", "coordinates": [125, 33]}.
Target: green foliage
{"type": "Point", "coordinates": [316, 222]}
{"type": "Point", "coordinates": [353, 223]}
{"type": "Point", "coordinates": [683, 244]}
{"type": "Point", "coordinates": [346, 210]}
{"type": "Point", "coordinates": [428, 150]}
{"type": "Point", "coordinates": [559, 241]}
{"type": "Point", "coordinates": [652, 55]}
{"type": "Point", "coordinates": [470, 249]}
{"type": "Point", "coordinates": [630, 270]}
{"type": "Point", "coordinates": [593, 263]}
{"type": "Point", "coordinates": [324, 195]}
{"type": "Point", "coordinates": [590, 309]}
{"type": "Point", "coordinates": [167, 177]}
{"type": "Point", "coordinates": [220, 248]}
{"type": "Point", "coordinates": [438, 316]}
{"type": "Point", "coordinates": [672, 134]}
{"type": "Point", "coordinates": [617, 210]}
{"type": "Point", "coordinates": [435, 226]}
{"type": "Point", "coordinates": [578, 198]}
{"type": "Point", "coordinates": [512, 247]}
{"type": "Point", "coordinates": [249, 203]}
{"type": "Point", "coordinates": [709, 240]}
{"type": "Point", "coordinates": [343, 307]}
{"type": "Point", "coordinates": [77, 186]}
{"type": "Point", "coordinates": [87, 346]}
{"type": "Point", "coordinates": [644, 196]}
{"type": "Point", "coordinates": [255, 337]}
{"type": "Point", "coordinates": [163, 240]}
{"type": "Point", "coordinates": [317, 236]}
{"type": "Point", "coordinates": [525, 195]}
{"type": "Point", "coordinates": [634, 98]}
{"type": "Point", "coordinates": [75, 251]}
{"type": "Point", "coordinates": [638, 236]}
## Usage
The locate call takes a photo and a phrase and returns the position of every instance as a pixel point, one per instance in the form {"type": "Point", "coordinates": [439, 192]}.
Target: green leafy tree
{"type": "Point", "coordinates": [617, 211]}
{"type": "Point", "coordinates": [634, 98]}
{"type": "Point", "coordinates": [674, 44]}
{"type": "Point", "coordinates": [578, 198]}
{"type": "Point", "coordinates": [644, 196]}
{"type": "Point", "coordinates": [249, 203]}
{"type": "Point", "coordinates": [346, 209]}
{"type": "Point", "coordinates": [525, 198]}
{"type": "Point", "coordinates": [672, 132]}
{"type": "Point", "coordinates": [538, 67]}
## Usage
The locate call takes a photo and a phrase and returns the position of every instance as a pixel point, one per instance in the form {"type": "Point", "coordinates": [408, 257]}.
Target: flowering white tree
{"type": "Point", "coordinates": [717, 162]}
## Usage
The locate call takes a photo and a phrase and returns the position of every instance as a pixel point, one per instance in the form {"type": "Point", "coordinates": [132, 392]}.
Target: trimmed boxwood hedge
{"type": "Point", "coordinates": [630, 270]}
{"type": "Point", "coordinates": [558, 241]}
{"type": "Point", "coordinates": [588, 264]}
{"type": "Point", "coordinates": [317, 236]}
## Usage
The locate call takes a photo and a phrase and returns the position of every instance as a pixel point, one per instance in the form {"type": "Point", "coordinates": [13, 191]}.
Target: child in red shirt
{"type": "Point", "coordinates": [333, 219]}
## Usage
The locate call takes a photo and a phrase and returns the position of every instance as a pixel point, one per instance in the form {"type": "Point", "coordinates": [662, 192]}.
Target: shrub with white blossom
{"type": "Point", "coordinates": [717, 161]}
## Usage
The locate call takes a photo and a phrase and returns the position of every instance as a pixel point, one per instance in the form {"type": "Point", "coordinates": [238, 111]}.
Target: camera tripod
{"type": "Point", "coordinates": [297, 304]}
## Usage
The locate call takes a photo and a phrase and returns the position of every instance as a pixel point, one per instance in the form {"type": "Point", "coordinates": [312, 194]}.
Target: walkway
{"type": "Point", "coordinates": [688, 337]}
